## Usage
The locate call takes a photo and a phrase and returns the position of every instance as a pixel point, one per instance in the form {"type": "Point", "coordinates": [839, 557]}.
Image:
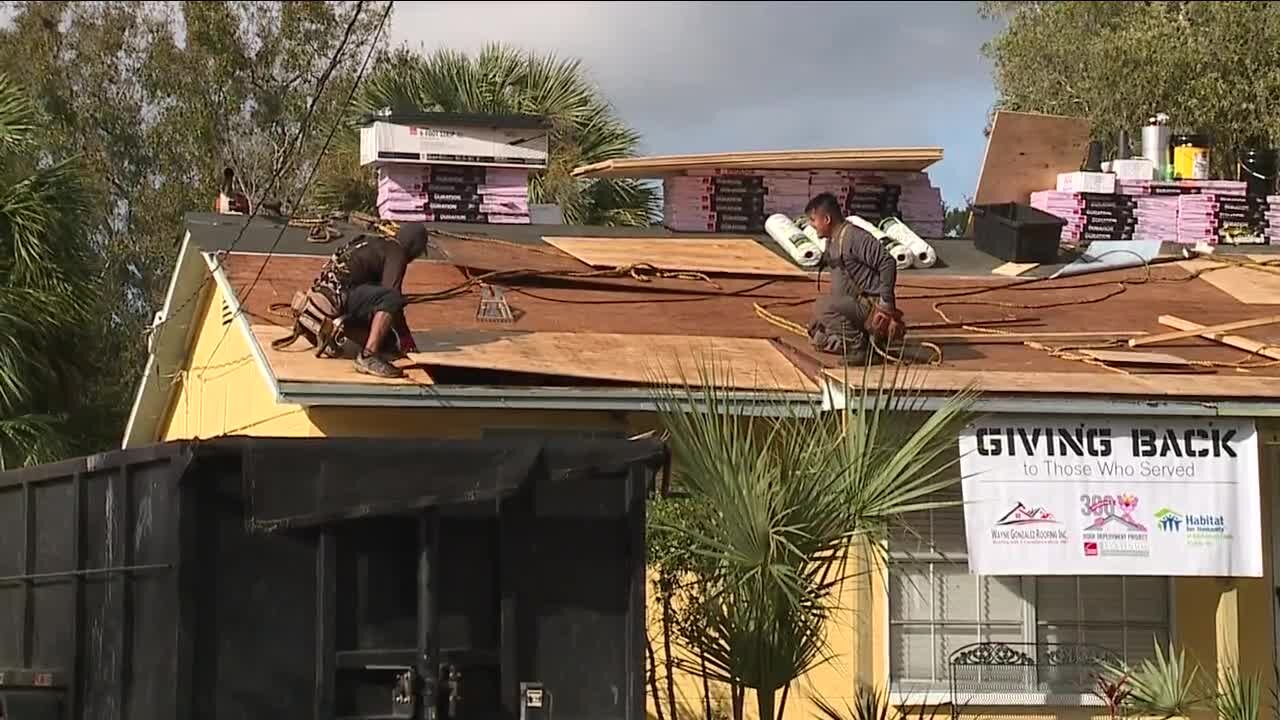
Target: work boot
{"type": "Point", "coordinates": [371, 364]}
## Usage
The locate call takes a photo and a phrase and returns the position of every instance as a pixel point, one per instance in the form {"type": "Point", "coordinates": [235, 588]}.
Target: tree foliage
{"type": "Point", "coordinates": [1212, 66]}
{"type": "Point", "coordinates": [46, 289]}
{"type": "Point", "coordinates": [503, 80]}
{"type": "Point", "coordinates": [155, 99]}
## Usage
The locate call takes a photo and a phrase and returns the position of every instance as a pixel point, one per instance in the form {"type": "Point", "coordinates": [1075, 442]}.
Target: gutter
{"type": "Point", "coordinates": [798, 404]}
{"type": "Point", "coordinates": [834, 399]}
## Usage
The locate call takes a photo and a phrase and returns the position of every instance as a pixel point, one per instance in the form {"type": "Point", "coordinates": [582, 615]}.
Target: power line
{"type": "Point", "coordinates": [315, 166]}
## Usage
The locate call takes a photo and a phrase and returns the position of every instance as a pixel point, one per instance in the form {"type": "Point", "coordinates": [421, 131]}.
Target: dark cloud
{"type": "Point", "coordinates": [702, 77]}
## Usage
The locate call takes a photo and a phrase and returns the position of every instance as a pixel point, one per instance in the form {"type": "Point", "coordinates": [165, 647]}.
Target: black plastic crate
{"type": "Point", "coordinates": [1017, 233]}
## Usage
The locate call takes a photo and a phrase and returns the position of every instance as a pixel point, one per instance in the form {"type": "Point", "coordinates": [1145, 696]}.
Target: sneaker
{"type": "Point", "coordinates": [373, 365]}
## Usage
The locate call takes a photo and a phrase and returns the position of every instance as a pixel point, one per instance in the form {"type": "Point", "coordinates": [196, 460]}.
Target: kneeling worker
{"type": "Point", "coordinates": [363, 279]}
{"type": "Point", "coordinates": [860, 301]}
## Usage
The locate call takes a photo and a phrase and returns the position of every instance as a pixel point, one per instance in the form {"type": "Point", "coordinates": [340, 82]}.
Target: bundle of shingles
{"type": "Point", "coordinates": [1089, 216]}
{"type": "Point", "coordinates": [1213, 218]}
{"type": "Point", "coordinates": [1158, 207]}
{"type": "Point", "coordinates": [1272, 217]}
{"type": "Point", "coordinates": [729, 200]}
{"type": "Point", "coordinates": [453, 193]}
{"type": "Point", "coordinates": [908, 196]}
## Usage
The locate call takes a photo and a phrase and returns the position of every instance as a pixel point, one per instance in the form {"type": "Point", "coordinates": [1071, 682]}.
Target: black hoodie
{"type": "Point", "coordinates": [382, 261]}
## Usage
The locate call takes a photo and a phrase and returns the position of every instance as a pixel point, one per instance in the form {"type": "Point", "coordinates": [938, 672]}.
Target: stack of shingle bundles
{"type": "Point", "coordinates": [836, 182]}
{"type": "Point", "coordinates": [453, 193]}
{"type": "Point", "coordinates": [786, 192]}
{"type": "Point", "coordinates": [872, 196]}
{"type": "Point", "coordinates": [1157, 217]}
{"type": "Point", "coordinates": [919, 202]}
{"type": "Point", "coordinates": [1212, 218]}
{"type": "Point", "coordinates": [715, 202]}
{"type": "Point", "coordinates": [1089, 216]}
{"type": "Point", "coordinates": [1272, 217]}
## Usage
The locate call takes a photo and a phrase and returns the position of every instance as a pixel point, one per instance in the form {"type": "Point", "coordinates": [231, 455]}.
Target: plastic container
{"type": "Point", "coordinates": [1017, 233]}
{"type": "Point", "coordinates": [1190, 156]}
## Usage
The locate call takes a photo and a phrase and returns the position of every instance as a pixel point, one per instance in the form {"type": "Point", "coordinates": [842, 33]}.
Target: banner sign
{"type": "Point", "coordinates": [1062, 495]}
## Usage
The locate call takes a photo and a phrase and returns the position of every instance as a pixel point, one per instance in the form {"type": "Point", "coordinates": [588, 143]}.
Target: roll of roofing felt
{"type": "Point", "coordinates": [901, 255]}
{"type": "Point", "coordinates": [792, 239]}
{"type": "Point", "coordinates": [922, 253]}
{"type": "Point", "coordinates": [812, 233]}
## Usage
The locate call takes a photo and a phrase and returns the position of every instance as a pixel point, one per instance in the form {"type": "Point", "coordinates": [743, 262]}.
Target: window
{"type": "Point", "coordinates": [937, 608]}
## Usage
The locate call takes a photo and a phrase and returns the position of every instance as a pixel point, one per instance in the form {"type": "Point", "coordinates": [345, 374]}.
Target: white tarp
{"type": "Point", "coordinates": [1057, 495]}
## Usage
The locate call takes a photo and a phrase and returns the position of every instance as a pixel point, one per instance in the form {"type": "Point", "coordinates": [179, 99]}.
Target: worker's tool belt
{"type": "Point", "coordinates": [885, 324]}
{"type": "Point", "coordinates": [318, 319]}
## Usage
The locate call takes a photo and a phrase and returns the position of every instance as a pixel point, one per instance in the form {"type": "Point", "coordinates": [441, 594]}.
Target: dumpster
{"type": "Point", "coordinates": [327, 578]}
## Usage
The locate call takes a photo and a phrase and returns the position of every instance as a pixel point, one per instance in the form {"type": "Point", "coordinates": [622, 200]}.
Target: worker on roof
{"type": "Point", "coordinates": [860, 300]}
{"type": "Point", "coordinates": [364, 280]}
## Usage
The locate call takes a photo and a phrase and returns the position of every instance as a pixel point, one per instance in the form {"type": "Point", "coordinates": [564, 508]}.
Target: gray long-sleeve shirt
{"type": "Point", "coordinates": [859, 264]}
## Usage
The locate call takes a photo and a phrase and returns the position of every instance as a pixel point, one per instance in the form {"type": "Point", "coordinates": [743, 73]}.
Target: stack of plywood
{"type": "Point", "coordinates": [453, 193]}
{"type": "Point", "coordinates": [911, 159]}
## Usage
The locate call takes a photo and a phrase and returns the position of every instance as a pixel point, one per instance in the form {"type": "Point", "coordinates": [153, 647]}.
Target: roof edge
{"type": "Point", "coordinates": [171, 332]}
{"type": "Point", "coordinates": [746, 402]}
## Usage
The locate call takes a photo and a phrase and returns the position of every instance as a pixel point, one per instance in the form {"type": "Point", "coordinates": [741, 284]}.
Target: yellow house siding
{"type": "Point", "coordinates": [220, 390]}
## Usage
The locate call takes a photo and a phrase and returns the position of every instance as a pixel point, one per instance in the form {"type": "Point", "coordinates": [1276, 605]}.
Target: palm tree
{"type": "Point", "coordinates": [503, 80]}
{"type": "Point", "coordinates": [790, 502]}
{"type": "Point", "coordinates": [45, 287]}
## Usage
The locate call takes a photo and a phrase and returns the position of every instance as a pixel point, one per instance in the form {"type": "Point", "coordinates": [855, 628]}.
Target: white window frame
{"type": "Point", "coordinates": [941, 695]}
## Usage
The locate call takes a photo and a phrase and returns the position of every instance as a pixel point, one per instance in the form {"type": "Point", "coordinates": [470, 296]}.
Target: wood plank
{"type": "Point", "coordinates": [735, 256]}
{"type": "Point", "coordinates": [1025, 153]}
{"type": "Point", "coordinates": [741, 363]}
{"type": "Point", "coordinates": [1235, 341]}
{"type": "Point", "coordinates": [1077, 383]}
{"type": "Point", "coordinates": [299, 363]}
{"type": "Point", "coordinates": [1197, 331]}
{"type": "Point", "coordinates": [1248, 285]}
{"type": "Point", "coordinates": [488, 254]}
{"type": "Point", "coordinates": [1013, 269]}
{"type": "Point", "coordinates": [1125, 357]}
{"type": "Point", "coordinates": [907, 159]}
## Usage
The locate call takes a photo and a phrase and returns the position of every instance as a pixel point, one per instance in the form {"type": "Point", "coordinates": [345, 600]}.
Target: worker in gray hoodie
{"type": "Point", "coordinates": [859, 303]}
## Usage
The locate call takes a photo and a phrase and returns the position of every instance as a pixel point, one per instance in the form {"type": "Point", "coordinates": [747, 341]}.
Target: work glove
{"type": "Point", "coordinates": [885, 323]}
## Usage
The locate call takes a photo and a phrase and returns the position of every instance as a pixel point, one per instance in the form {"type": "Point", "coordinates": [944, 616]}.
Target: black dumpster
{"type": "Point", "coordinates": [327, 578]}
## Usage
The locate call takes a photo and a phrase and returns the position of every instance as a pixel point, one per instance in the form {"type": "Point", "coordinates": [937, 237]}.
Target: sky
{"type": "Point", "coordinates": [724, 76]}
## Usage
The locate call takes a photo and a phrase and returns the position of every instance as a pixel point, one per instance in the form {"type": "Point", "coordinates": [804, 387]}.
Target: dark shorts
{"type": "Point", "coordinates": [363, 301]}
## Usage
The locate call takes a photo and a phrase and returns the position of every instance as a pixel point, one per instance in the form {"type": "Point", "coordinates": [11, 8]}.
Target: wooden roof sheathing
{"type": "Point", "coordinates": [911, 159]}
{"type": "Point", "coordinates": [731, 256]}
{"type": "Point", "coordinates": [298, 363]}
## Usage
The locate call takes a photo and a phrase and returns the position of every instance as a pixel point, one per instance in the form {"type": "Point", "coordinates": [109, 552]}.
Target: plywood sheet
{"type": "Point", "coordinates": [1248, 285]}
{"type": "Point", "coordinates": [1125, 357]}
{"type": "Point", "coordinates": [1076, 383]}
{"type": "Point", "coordinates": [912, 159]}
{"type": "Point", "coordinates": [1025, 153]}
{"type": "Point", "coordinates": [741, 363]}
{"type": "Point", "coordinates": [1013, 269]}
{"type": "Point", "coordinates": [298, 363]}
{"type": "Point", "coordinates": [734, 256]}
{"type": "Point", "coordinates": [488, 254]}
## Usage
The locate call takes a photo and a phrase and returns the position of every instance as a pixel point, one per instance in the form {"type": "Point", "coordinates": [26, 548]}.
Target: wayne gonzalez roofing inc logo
{"type": "Point", "coordinates": [1024, 525]}
{"type": "Point", "coordinates": [1197, 528]}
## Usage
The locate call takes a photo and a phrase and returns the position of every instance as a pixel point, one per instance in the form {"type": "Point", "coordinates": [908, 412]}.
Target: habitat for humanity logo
{"type": "Point", "coordinates": [1197, 528]}
{"type": "Point", "coordinates": [1018, 526]}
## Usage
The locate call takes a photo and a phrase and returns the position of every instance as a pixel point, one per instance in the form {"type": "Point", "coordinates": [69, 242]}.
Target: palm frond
{"type": "Point", "coordinates": [31, 440]}
{"type": "Point", "coordinates": [788, 498]}
{"type": "Point", "coordinates": [1165, 685]}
